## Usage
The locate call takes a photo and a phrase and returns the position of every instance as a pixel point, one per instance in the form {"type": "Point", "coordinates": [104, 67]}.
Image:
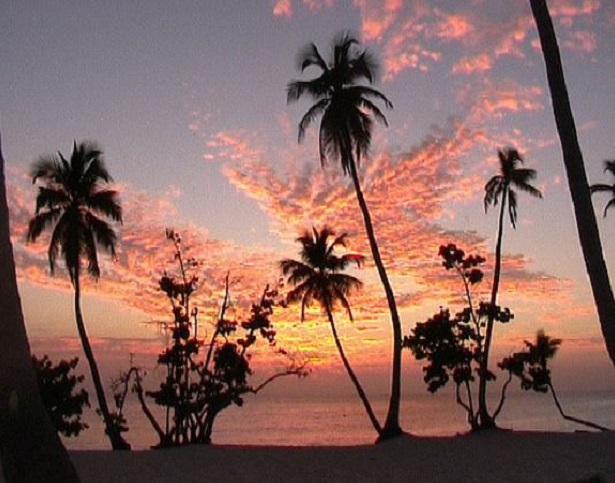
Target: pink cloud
{"type": "Point", "coordinates": [283, 8]}
{"type": "Point", "coordinates": [377, 17]}
{"type": "Point", "coordinates": [580, 41]}
{"type": "Point", "coordinates": [468, 65]}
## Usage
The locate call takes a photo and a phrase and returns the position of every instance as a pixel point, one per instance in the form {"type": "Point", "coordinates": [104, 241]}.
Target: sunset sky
{"type": "Point", "coordinates": [187, 99]}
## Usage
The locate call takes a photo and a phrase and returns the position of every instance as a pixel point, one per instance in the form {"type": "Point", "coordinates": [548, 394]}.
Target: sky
{"type": "Point", "coordinates": [188, 101]}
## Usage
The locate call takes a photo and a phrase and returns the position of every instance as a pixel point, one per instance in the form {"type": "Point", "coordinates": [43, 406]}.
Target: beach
{"type": "Point", "coordinates": [500, 455]}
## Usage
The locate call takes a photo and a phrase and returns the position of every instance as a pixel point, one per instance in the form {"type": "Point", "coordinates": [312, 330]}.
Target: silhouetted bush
{"type": "Point", "coordinates": [58, 386]}
{"type": "Point", "coordinates": [203, 377]}
{"type": "Point", "coordinates": [453, 346]}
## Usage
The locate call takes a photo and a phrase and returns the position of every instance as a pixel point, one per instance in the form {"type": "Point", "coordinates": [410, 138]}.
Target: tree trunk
{"type": "Point", "coordinates": [486, 421]}
{"type": "Point", "coordinates": [391, 427]}
{"type": "Point", "coordinates": [30, 448]}
{"type": "Point", "coordinates": [117, 442]}
{"type": "Point", "coordinates": [353, 376]}
{"type": "Point", "coordinates": [587, 227]}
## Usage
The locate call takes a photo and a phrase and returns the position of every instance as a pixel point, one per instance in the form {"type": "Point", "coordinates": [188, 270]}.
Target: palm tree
{"type": "Point", "coordinates": [499, 189]}
{"type": "Point", "coordinates": [608, 188]}
{"type": "Point", "coordinates": [347, 112]}
{"type": "Point", "coordinates": [587, 228]}
{"type": "Point", "coordinates": [318, 277]}
{"type": "Point", "coordinates": [30, 449]}
{"type": "Point", "coordinates": [74, 200]}
{"type": "Point", "coordinates": [539, 353]}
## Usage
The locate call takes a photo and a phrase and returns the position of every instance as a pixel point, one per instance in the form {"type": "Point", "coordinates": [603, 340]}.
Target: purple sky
{"type": "Point", "coordinates": [187, 100]}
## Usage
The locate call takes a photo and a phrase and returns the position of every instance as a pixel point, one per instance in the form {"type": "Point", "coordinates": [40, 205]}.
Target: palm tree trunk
{"type": "Point", "coordinates": [117, 442]}
{"type": "Point", "coordinates": [391, 427]}
{"type": "Point", "coordinates": [353, 376]}
{"type": "Point", "coordinates": [587, 227]}
{"type": "Point", "coordinates": [584, 422]}
{"type": "Point", "coordinates": [486, 421]}
{"type": "Point", "coordinates": [30, 449]}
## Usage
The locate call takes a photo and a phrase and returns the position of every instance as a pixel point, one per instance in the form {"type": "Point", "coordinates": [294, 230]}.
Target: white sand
{"type": "Point", "coordinates": [499, 456]}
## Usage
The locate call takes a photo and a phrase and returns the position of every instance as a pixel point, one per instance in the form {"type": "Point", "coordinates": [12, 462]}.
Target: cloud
{"type": "Point", "coordinates": [283, 8]}
{"type": "Point", "coordinates": [377, 17]}
{"type": "Point", "coordinates": [580, 41]}
{"type": "Point", "coordinates": [469, 65]}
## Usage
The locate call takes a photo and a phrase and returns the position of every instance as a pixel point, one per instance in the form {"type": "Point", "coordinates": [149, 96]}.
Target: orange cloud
{"type": "Point", "coordinates": [377, 17]}
{"type": "Point", "coordinates": [468, 65]}
{"type": "Point", "coordinates": [453, 27]}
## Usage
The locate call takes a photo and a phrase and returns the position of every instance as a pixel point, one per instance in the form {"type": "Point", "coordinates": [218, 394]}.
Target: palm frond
{"type": "Point", "coordinates": [296, 89]}
{"type": "Point", "coordinates": [308, 56]}
{"type": "Point", "coordinates": [101, 231]}
{"type": "Point", "coordinates": [609, 165]}
{"type": "Point", "coordinates": [610, 204]}
{"type": "Point", "coordinates": [91, 254]}
{"type": "Point", "coordinates": [342, 44]}
{"type": "Point", "coordinates": [512, 207]}
{"type": "Point", "coordinates": [531, 190]}
{"type": "Point", "coordinates": [40, 222]}
{"type": "Point", "coordinates": [364, 66]}
{"type": "Point", "coordinates": [51, 196]}
{"type": "Point", "coordinates": [105, 202]}
{"type": "Point", "coordinates": [46, 168]}
{"type": "Point", "coordinates": [493, 190]}
{"type": "Point", "coordinates": [307, 119]}
{"type": "Point", "coordinates": [374, 110]}
{"type": "Point", "coordinates": [367, 92]}
{"type": "Point", "coordinates": [596, 188]}
{"type": "Point", "coordinates": [342, 299]}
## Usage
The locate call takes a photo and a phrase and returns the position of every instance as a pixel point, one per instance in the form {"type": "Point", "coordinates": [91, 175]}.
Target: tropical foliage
{"type": "Point", "coordinates": [609, 166]}
{"type": "Point", "coordinates": [453, 345]}
{"type": "Point", "coordinates": [347, 108]}
{"type": "Point", "coordinates": [319, 277]}
{"type": "Point", "coordinates": [74, 202]}
{"type": "Point", "coordinates": [58, 386]}
{"type": "Point", "coordinates": [530, 366]}
{"type": "Point", "coordinates": [204, 377]}
{"type": "Point", "coordinates": [501, 189]}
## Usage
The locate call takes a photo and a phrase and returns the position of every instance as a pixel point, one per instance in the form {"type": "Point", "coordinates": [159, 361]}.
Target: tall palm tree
{"type": "Point", "coordinates": [74, 199]}
{"type": "Point", "coordinates": [608, 188]}
{"type": "Point", "coordinates": [318, 277]}
{"type": "Point", "coordinates": [587, 228]}
{"type": "Point", "coordinates": [500, 189]}
{"type": "Point", "coordinates": [30, 449]}
{"type": "Point", "coordinates": [347, 111]}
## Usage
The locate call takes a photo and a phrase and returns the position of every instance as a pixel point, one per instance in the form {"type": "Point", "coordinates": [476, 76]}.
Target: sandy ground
{"type": "Point", "coordinates": [494, 457]}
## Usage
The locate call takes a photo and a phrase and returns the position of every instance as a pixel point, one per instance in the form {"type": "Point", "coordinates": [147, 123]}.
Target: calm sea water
{"type": "Point", "coordinates": [305, 421]}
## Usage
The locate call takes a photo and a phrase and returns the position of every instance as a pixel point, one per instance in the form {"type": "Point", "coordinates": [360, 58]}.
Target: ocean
{"type": "Point", "coordinates": [268, 419]}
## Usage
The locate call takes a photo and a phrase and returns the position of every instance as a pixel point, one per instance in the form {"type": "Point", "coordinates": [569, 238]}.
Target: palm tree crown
{"type": "Point", "coordinates": [74, 197]}
{"type": "Point", "coordinates": [318, 275]}
{"type": "Point", "coordinates": [609, 165]}
{"type": "Point", "coordinates": [511, 176]}
{"type": "Point", "coordinates": [346, 106]}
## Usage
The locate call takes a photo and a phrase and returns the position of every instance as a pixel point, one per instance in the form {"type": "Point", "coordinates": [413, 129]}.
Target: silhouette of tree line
{"type": "Point", "coordinates": [75, 201]}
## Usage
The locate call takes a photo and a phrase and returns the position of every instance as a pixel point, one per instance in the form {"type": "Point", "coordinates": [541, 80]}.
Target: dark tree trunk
{"type": "Point", "coordinates": [117, 442]}
{"type": "Point", "coordinates": [486, 421]}
{"type": "Point", "coordinates": [30, 449]}
{"type": "Point", "coordinates": [353, 376]}
{"type": "Point", "coordinates": [587, 227]}
{"type": "Point", "coordinates": [391, 427]}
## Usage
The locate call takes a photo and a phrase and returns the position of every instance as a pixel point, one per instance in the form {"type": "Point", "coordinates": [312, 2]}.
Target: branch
{"type": "Point", "coordinates": [463, 404]}
{"type": "Point", "coordinates": [571, 418]}
{"type": "Point", "coordinates": [299, 372]}
{"type": "Point", "coordinates": [503, 395]}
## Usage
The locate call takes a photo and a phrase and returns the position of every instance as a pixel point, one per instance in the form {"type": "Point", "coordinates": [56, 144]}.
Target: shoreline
{"type": "Point", "coordinates": [522, 456]}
